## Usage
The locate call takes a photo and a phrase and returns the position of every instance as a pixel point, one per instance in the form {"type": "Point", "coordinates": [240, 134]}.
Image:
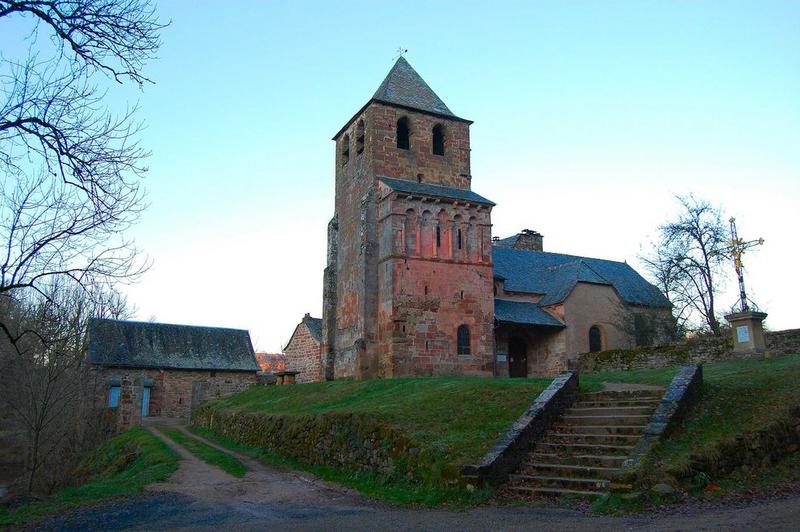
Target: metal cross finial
{"type": "Point", "coordinates": [400, 51]}
{"type": "Point", "coordinates": [736, 249]}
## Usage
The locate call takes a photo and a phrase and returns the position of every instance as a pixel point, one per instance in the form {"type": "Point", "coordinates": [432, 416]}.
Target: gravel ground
{"type": "Point", "coordinates": [200, 497]}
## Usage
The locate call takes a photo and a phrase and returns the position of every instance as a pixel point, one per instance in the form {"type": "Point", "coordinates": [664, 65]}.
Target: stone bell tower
{"type": "Point", "coordinates": [408, 284]}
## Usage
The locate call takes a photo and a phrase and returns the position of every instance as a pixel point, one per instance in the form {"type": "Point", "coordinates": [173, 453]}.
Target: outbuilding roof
{"type": "Point", "coordinates": [136, 344]}
{"type": "Point", "coordinates": [524, 313]}
{"type": "Point", "coordinates": [314, 327]}
{"type": "Point", "coordinates": [435, 191]}
{"type": "Point", "coordinates": [554, 275]}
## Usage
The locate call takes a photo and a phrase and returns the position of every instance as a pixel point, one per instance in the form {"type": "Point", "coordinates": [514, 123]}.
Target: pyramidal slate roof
{"type": "Point", "coordinates": [554, 275]}
{"type": "Point", "coordinates": [436, 191]}
{"type": "Point", "coordinates": [403, 86]}
{"type": "Point", "coordinates": [136, 344]}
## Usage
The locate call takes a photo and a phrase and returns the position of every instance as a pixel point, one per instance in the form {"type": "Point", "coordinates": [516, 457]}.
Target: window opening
{"type": "Point", "coordinates": [438, 139]}
{"type": "Point", "coordinates": [360, 137]}
{"type": "Point", "coordinates": [403, 134]}
{"type": "Point", "coordinates": [463, 340]}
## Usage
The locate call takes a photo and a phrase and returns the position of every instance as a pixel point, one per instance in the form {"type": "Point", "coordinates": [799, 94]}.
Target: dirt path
{"type": "Point", "coordinates": [197, 479]}
{"type": "Point", "coordinates": [201, 497]}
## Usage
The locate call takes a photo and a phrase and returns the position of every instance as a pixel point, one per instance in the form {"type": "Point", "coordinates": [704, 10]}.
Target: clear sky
{"type": "Point", "coordinates": [589, 117]}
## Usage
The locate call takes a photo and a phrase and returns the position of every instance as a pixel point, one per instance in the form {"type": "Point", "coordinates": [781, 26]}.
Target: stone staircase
{"type": "Point", "coordinates": [581, 453]}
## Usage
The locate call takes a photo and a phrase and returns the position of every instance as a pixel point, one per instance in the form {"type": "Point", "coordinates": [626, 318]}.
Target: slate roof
{"type": "Point", "coordinates": [403, 86]}
{"type": "Point", "coordinates": [523, 313]}
{"type": "Point", "coordinates": [136, 344]}
{"type": "Point", "coordinates": [314, 327]}
{"type": "Point", "coordinates": [436, 191]}
{"type": "Point", "coordinates": [554, 275]}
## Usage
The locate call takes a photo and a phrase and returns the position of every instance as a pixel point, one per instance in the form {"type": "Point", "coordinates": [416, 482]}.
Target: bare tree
{"type": "Point", "coordinates": [45, 381]}
{"type": "Point", "coordinates": [70, 168]}
{"type": "Point", "coordinates": [687, 262]}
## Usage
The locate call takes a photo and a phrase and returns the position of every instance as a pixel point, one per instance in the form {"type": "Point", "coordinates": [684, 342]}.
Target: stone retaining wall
{"type": "Point", "coordinates": [694, 351]}
{"type": "Point", "coordinates": [760, 448]}
{"type": "Point", "coordinates": [348, 441]}
{"type": "Point", "coordinates": [512, 447]}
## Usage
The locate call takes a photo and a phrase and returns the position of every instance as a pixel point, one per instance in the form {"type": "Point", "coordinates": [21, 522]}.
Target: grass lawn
{"type": "Point", "coordinates": [122, 466]}
{"type": "Point", "coordinates": [207, 454]}
{"type": "Point", "coordinates": [457, 416]}
{"type": "Point", "coordinates": [738, 396]}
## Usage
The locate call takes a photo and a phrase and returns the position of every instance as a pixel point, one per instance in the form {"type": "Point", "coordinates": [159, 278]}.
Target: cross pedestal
{"type": "Point", "coordinates": [748, 333]}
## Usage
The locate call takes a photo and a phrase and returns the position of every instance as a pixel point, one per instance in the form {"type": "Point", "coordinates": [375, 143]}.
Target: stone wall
{"type": "Point", "coordinates": [760, 448]}
{"type": "Point", "coordinates": [682, 393]}
{"type": "Point", "coordinates": [694, 351]}
{"type": "Point", "coordinates": [173, 393]}
{"type": "Point", "coordinates": [348, 441]}
{"type": "Point", "coordinates": [378, 319]}
{"type": "Point", "coordinates": [303, 354]}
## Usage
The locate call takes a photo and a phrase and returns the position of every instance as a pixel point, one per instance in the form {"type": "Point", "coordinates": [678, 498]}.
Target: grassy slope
{"type": "Point", "coordinates": [460, 415]}
{"type": "Point", "coordinates": [122, 466]}
{"type": "Point", "coordinates": [738, 396]}
{"type": "Point", "coordinates": [208, 454]}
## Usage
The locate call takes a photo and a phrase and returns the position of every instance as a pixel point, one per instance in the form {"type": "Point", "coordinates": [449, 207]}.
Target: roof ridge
{"type": "Point", "coordinates": [577, 257]}
{"type": "Point", "coordinates": [159, 323]}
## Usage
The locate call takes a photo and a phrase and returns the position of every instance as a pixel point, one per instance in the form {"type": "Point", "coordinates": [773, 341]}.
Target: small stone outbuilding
{"type": "Point", "coordinates": [303, 352]}
{"type": "Point", "coordinates": [156, 369]}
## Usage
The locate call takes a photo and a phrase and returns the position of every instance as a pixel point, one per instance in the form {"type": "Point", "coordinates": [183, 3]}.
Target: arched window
{"type": "Point", "coordinates": [360, 137]}
{"type": "Point", "coordinates": [403, 134]}
{"type": "Point", "coordinates": [595, 339]}
{"type": "Point", "coordinates": [463, 340]}
{"type": "Point", "coordinates": [438, 139]}
{"type": "Point", "coordinates": [345, 149]}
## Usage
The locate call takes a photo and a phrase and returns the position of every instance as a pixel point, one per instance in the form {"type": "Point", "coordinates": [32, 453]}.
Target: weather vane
{"type": "Point", "coordinates": [400, 51]}
{"type": "Point", "coordinates": [736, 249]}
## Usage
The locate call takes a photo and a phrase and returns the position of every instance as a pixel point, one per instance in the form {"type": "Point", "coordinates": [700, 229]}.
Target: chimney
{"type": "Point", "coordinates": [529, 240]}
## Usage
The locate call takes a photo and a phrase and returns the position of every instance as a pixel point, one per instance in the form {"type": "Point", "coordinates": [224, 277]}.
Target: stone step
{"type": "Point", "coordinates": [653, 403]}
{"type": "Point", "coordinates": [579, 459]}
{"type": "Point", "coordinates": [577, 437]}
{"type": "Point", "coordinates": [621, 396]}
{"type": "Point", "coordinates": [619, 419]}
{"type": "Point", "coordinates": [600, 428]}
{"type": "Point", "coordinates": [610, 411]}
{"type": "Point", "coordinates": [586, 448]}
{"type": "Point", "coordinates": [567, 470]}
{"type": "Point", "coordinates": [554, 492]}
{"type": "Point", "coordinates": [543, 481]}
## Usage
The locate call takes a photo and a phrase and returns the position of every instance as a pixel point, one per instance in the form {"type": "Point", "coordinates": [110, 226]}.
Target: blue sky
{"type": "Point", "coordinates": [589, 116]}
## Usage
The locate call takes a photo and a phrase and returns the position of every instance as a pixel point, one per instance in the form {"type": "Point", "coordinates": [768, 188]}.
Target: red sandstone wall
{"type": "Point", "coordinates": [356, 338]}
{"type": "Point", "coordinates": [303, 355]}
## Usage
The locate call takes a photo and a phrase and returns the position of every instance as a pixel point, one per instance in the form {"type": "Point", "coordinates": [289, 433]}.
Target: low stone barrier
{"type": "Point", "coordinates": [348, 441]}
{"type": "Point", "coordinates": [512, 448]}
{"type": "Point", "coordinates": [693, 351]}
{"type": "Point", "coordinates": [682, 392]}
{"type": "Point", "coordinates": [760, 448]}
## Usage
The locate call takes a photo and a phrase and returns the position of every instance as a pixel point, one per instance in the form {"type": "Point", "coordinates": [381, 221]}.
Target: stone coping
{"type": "Point", "coordinates": [513, 446]}
{"type": "Point", "coordinates": [681, 393]}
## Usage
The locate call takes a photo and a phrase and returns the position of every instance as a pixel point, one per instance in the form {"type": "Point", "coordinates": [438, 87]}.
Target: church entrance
{"type": "Point", "coordinates": [517, 357]}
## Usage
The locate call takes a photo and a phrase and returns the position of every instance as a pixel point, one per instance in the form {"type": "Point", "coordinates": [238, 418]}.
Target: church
{"type": "Point", "coordinates": [415, 283]}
